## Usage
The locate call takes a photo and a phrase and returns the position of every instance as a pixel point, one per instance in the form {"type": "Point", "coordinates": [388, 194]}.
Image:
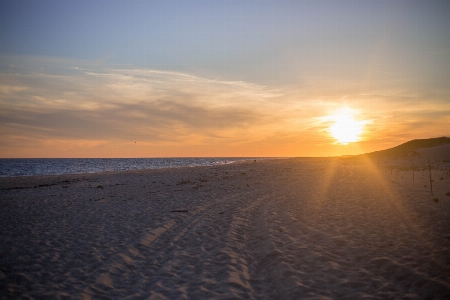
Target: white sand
{"type": "Point", "coordinates": [281, 229]}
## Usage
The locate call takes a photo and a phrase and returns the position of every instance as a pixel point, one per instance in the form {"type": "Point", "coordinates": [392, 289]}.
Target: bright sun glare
{"type": "Point", "coordinates": [345, 128]}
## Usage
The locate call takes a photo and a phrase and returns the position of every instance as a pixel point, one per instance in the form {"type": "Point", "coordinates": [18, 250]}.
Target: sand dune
{"type": "Point", "coordinates": [435, 154]}
{"type": "Point", "coordinates": [280, 229]}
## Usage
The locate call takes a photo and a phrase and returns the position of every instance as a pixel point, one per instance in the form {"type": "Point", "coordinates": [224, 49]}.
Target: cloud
{"type": "Point", "coordinates": [58, 102]}
{"type": "Point", "coordinates": [8, 89]}
{"type": "Point", "coordinates": [88, 102]}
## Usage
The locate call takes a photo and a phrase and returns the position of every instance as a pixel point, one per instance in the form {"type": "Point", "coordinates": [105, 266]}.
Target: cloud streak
{"type": "Point", "coordinates": [130, 105]}
{"type": "Point", "coordinates": [87, 105]}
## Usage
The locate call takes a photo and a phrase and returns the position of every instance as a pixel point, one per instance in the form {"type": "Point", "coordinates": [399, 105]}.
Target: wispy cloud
{"type": "Point", "coordinates": [146, 105]}
{"type": "Point", "coordinates": [58, 102]}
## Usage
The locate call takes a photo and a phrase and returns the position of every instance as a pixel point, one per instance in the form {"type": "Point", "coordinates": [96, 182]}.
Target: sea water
{"type": "Point", "coordinates": [59, 166]}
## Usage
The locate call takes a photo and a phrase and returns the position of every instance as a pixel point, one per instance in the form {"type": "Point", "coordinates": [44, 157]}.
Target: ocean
{"type": "Point", "coordinates": [58, 166]}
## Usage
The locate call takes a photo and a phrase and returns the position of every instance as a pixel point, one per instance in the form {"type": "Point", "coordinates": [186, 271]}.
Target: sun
{"type": "Point", "coordinates": [345, 128]}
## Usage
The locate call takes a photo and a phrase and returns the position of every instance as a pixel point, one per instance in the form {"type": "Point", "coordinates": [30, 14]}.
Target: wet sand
{"type": "Point", "coordinates": [306, 228]}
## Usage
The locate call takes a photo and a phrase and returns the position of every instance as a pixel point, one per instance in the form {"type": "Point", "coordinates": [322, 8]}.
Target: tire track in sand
{"type": "Point", "coordinates": [207, 254]}
{"type": "Point", "coordinates": [183, 252]}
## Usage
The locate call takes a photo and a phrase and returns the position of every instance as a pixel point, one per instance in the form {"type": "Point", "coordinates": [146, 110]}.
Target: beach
{"type": "Point", "coordinates": [300, 228]}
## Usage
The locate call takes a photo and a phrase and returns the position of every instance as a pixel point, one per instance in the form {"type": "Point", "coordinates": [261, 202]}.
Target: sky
{"type": "Point", "coordinates": [221, 78]}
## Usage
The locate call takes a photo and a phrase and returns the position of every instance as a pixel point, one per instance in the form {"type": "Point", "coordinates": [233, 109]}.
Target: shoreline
{"type": "Point", "coordinates": [6, 182]}
{"type": "Point", "coordinates": [290, 228]}
{"type": "Point", "coordinates": [154, 167]}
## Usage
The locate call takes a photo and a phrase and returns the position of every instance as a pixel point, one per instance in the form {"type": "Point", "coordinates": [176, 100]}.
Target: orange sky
{"type": "Point", "coordinates": [91, 111]}
{"type": "Point", "coordinates": [152, 113]}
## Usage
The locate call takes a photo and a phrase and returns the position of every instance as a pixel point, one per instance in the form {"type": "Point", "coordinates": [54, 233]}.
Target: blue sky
{"type": "Point", "coordinates": [288, 63]}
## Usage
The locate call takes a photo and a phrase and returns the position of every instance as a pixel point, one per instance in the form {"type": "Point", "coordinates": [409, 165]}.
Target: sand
{"type": "Point", "coordinates": [306, 228]}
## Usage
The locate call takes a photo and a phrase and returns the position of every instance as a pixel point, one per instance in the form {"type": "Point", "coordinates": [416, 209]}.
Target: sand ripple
{"type": "Point", "coordinates": [283, 229]}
